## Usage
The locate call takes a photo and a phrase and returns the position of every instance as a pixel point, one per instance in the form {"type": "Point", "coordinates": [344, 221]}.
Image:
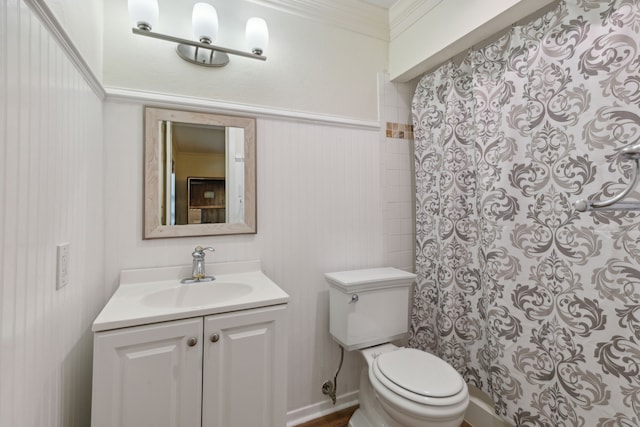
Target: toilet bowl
{"type": "Point", "coordinates": [399, 387]}
{"type": "Point", "coordinates": [418, 389]}
{"type": "Point", "coordinates": [402, 387]}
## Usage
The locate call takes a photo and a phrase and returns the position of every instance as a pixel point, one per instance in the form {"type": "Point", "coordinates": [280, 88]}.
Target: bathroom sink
{"type": "Point", "coordinates": [196, 294]}
{"type": "Point", "coordinates": [152, 295]}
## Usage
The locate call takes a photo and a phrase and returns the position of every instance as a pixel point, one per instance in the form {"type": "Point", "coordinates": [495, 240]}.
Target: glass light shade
{"type": "Point", "coordinates": [204, 21]}
{"type": "Point", "coordinates": [144, 13]}
{"type": "Point", "coordinates": [257, 35]}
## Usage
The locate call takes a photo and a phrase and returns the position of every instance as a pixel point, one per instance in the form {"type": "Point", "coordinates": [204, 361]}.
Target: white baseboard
{"type": "Point", "coordinates": [480, 411]}
{"type": "Point", "coordinates": [317, 410]}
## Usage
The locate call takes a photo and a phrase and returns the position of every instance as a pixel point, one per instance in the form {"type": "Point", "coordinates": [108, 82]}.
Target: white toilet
{"type": "Point", "coordinates": [399, 387]}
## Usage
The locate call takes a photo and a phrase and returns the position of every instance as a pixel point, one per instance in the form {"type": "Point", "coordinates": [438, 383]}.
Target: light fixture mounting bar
{"type": "Point", "coordinates": [197, 44]}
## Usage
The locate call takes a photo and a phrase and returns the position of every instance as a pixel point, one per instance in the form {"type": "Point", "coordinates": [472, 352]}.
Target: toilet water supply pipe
{"type": "Point", "coordinates": [330, 387]}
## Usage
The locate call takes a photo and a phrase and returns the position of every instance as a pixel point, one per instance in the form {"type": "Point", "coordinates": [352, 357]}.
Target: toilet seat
{"type": "Point", "coordinates": [419, 377]}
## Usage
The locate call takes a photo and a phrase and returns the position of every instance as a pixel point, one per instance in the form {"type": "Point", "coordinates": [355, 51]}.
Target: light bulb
{"type": "Point", "coordinates": [144, 13]}
{"type": "Point", "coordinates": [204, 21]}
{"type": "Point", "coordinates": [257, 35]}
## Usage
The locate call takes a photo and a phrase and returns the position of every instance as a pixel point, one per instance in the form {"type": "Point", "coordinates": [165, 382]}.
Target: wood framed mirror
{"type": "Point", "coordinates": [199, 174]}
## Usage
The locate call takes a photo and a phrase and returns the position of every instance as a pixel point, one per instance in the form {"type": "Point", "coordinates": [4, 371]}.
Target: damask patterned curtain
{"type": "Point", "coordinates": [534, 303]}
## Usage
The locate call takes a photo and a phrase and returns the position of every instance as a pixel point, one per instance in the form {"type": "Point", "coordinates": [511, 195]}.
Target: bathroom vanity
{"type": "Point", "coordinates": [188, 355]}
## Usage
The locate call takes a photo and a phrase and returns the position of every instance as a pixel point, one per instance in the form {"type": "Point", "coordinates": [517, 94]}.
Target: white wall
{"type": "Point", "coordinates": [311, 66]}
{"type": "Point", "coordinates": [330, 197]}
{"type": "Point", "coordinates": [319, 210]}
{"type": "Point", "coordinates": [51, 191]}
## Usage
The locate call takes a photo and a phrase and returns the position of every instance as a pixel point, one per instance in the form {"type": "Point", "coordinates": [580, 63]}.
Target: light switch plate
{"type": "Point", "coordinates": [62, 267]}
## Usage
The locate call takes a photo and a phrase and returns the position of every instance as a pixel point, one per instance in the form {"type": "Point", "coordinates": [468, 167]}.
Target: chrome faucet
{"type": "Point", "coordinates": [198, 269]}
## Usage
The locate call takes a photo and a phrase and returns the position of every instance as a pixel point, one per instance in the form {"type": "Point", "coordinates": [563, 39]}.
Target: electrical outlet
{"type": "Point", "coordinates": [62, 267]}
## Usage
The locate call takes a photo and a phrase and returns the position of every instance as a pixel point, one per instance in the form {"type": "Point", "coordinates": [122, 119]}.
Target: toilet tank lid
{"type": "Point", "coordinates": [371, 278]}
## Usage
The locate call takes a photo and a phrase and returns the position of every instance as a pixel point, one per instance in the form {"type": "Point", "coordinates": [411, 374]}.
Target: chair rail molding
{"type": "Point", "coordinates": [218, 106]}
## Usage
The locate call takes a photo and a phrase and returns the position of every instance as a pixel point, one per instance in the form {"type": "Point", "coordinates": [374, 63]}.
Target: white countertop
{"type": "Point", "coordinates": [129, 304]}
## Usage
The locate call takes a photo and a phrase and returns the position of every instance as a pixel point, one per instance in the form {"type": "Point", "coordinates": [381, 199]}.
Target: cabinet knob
{"type": "Point", "coordinates": [192, 341]}
{"type": "Point", "coordinates": [214, 337]}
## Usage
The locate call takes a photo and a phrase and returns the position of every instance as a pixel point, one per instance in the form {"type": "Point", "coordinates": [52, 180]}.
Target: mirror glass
{"type": "Point", "coordinates": [199, 174]}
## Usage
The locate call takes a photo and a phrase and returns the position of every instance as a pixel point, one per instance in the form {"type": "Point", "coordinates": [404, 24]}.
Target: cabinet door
{"type": "Point", "coordinates": [244, 379]}
{"type": "Point", "coordinates": [148, 376]}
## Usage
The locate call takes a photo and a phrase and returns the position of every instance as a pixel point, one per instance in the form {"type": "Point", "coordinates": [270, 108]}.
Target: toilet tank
{"type": "Point", "coordinates": [369, 307]}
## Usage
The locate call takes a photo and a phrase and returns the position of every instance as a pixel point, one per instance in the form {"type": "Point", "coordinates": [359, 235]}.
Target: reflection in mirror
{"type": "Point", "coordinates": [202, 184]}
{"type": "Point", "coordinates": [199, 174]}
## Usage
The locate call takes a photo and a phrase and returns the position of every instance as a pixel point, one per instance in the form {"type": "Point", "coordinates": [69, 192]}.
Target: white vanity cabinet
{"type": "Point", "coordinates": [148, 375]}
{"type": "Point", "coordinates": [221, 370]}
{"type": "Point", "coordinates": [244, 374]}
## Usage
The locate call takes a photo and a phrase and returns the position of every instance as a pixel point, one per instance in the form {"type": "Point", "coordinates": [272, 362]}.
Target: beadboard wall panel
{"type": "Point", "coordinates": [51, 192]}
{"type": "Point", "coordinates": [319, 210]}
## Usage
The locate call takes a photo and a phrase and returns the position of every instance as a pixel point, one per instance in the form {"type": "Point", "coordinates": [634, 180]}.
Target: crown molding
{"type": "Point", "coordinates": [405, 13]}
{"type": "Point", "coordinates": [352, 15]}
{"type": "Point", "coordinates": [51, 23]}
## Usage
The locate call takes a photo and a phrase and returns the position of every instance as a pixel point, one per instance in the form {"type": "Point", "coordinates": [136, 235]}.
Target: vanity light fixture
{"type": "Point", "coordinates": [204, 21]}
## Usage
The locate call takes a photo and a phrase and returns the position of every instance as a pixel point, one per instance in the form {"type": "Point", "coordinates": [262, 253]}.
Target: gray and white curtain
{"type": "Point", "coordinates": [534, 303]}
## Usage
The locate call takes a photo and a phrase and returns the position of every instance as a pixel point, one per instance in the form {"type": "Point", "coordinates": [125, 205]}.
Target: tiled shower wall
{"type": "Point", "coordinates": [51, 191]}
{"type": "Point", "coordinates": [396, 155]}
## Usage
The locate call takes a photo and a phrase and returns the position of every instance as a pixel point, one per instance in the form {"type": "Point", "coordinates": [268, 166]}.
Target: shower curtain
{"type": "Point", "coordinates": [531, 301]}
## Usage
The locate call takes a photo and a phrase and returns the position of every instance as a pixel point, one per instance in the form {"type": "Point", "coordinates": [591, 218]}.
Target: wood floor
{"type": "Point", "coordinates": [337, 419]}
{"type": "Point", "coordinates": [341, 419]}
